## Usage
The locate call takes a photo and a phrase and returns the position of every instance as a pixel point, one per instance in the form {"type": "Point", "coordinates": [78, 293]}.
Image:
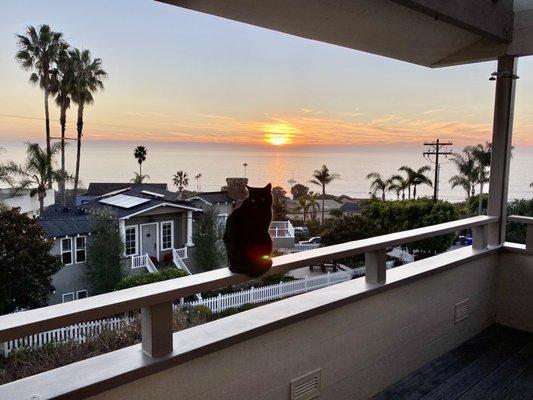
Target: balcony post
{"type": "Point", "coordinates": [156, 329]}
{"type": "Point", "coordinates": [189, 230]}
{"type": "Point", "coordinates": [501, 147]}
{"type": "Point", "coordinates": [479, 237]}
{"type": "Point", "coordinates": [375, 265]}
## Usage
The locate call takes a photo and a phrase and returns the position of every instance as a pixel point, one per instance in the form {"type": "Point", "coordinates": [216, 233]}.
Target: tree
{"type": "Point", "coordinates": [6, 176]}
{"type": "Point", "coordinates": [279, 204]}
{"type": "Point", "coordinates": [515, 231]}
{"type": "Point", "coordinates": [27, 265]}
{"type": "Point", "coordinates": [467, 177]}
{"type": "Point", "coordinates": [61, 88]}
{"type": "Point", "coordinates": [206, 254]}
{"type": "Point", "coordinates": [302, 205]}
{"type": "Point", "coordinates": [398, 184]}
{"type": "Point", "coordinates": [313, 205]}
{"type": "Point", "coordinates": [482, 154]}
{"type": "Point", "coordinates": [322, 177]}
{"type": "Point", "coordinates": [198, 185]}
{"type": "Point", "coordinates": [104, 254]}
{"type": "Point", "coordinates": [181, 180]}
{"type": "Point", "coordinates": [140, 153]}
{"type": "Point", "coordinates": [37, 171]}
{"type": "Point", "coordinates": [137, 178]}
{"type": "Point", "coordinates": [378, 184]}
{"type": "Point", "coordinates": [88, 77]}
{"type": "Point", "coordinates": [416, 178]}
{"type": "Point", "coordinates": [299, 191]}
{"type": "Point", "coordinates": [38, 51]}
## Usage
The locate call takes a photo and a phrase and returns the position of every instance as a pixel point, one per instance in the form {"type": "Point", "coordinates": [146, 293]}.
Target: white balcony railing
{"type": "Point", "coordinates": [178, 259]}
{"type": "Point", "coordinates": [143, 261]}
{"type": "Point", "coordinates": [281, 229]}
{"type": "Point", "coordinates": [156, 300]}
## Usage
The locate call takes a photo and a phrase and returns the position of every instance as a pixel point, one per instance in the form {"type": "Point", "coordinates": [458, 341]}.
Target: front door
{"type": "Point", "coordinates": [149, 240]}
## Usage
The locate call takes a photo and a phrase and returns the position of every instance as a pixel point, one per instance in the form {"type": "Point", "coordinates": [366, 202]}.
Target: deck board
{"type": "Point", "coordinates": [495, 364]}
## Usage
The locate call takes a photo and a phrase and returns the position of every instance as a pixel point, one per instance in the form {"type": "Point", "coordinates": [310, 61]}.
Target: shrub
{"type": "Point", "coordinates": [144, 279]}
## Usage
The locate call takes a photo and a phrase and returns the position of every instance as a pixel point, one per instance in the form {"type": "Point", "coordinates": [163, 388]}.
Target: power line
{"type": "Point", "coordinates": [435, 150]}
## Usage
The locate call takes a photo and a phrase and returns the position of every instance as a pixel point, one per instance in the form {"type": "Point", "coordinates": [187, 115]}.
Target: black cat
{"type": "Point", "coordinates": [248, 243]}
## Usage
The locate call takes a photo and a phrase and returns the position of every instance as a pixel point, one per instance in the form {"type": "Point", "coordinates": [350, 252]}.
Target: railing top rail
{"type": "Point", "coordinates": [24, 323]}
{"type": "Point", "coordinates": [520, 218]}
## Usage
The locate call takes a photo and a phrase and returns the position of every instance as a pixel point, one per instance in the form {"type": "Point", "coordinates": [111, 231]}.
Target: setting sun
{"type": "Point", "coordinates": [279, 134]}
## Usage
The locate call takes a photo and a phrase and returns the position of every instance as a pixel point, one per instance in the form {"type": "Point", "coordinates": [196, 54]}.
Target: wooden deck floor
{"type": "Point", "coordinates": [496, 364]}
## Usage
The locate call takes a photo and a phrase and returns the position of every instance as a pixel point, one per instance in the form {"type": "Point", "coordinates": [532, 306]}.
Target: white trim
{"type": "Point", "coordinates": [118, 191]}
{"type": "Point", "coordinates": [156, 238]}
{"type": "Point", "coordinates": [171, 222]}
{"type": "Point", "coordinates": [152, 193]}
{"type": "Point", "coordinates": [76, 248]}
{"type": "Point", "coordinates": [161, 205]}
{"type": "Point", "coordinates": [78, 294]}
{"type": "Point", "coordinates": [199, 198]}
{"type": "Point", "coordinates": [136, 227]}
{"type": "Point", "coordinates": [71, 250]}
{"type": "Point", "coordinates": [66, 294]}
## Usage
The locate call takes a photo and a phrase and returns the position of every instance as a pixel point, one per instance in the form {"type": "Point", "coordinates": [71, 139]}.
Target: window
{"type": "Point", "coordinates": [81, 294]}
{"type": "Point", "coordinates": [68, 297]}
{"type": "Point", "coordinates": [167, 235]}
{"type": "Point", "coordinates": [130, 241]}
{"type": "Point", "coordinates": [80, 249]}
{"type": "Point", "coordinates": [66, 251]}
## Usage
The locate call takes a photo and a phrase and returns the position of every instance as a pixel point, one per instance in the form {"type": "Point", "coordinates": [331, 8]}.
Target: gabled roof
{"type": "Point", "coordinates": [59, 221]}
{"type": "Point", "coordinates": [211, 198]}
{"type": "Point", "coordinates": [102, 188]}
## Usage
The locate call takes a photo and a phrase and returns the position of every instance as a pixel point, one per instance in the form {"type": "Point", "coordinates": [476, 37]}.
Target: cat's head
{"type": "Point", "coordinates": [260, 197]}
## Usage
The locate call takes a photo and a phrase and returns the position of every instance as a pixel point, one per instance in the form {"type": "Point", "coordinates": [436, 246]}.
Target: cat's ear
{"type": "Point", "coordinates": [268, 187]}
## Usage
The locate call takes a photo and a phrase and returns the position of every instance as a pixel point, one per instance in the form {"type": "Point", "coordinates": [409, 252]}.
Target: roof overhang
{"type": "Point", "coordinates": [431, 33]}
{"type": "Point", "coordinates": [139, 212]}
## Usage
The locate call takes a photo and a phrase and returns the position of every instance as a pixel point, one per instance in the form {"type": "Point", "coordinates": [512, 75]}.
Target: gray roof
{"type": "Point", "coordinates": [101, 188]}
{"type": "Point", "coordinates": [350, 207]}
{"type": "Point", "coordinates": [59, 221]}
{"type": "Point", "coordinates": [214, 197]}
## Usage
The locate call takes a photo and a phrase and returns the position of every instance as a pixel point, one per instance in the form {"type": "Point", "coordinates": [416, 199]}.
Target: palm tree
{"type": "Point", "coordinates": [38, 51]}
{"type": "Point", "coordinates": [61, 88]}
{"type": "Point", "coordinates": [5, 174]}
{"type": "Point", "coordinates": [409, 179]}
{"type": "Point", "coordinates": [140, 154]}
{"type": "Point", "coordinates": [482, 154]}
{"type": "Point", "coordinates": [420, 178]}
{"type": "Point", "coordinates": [245, 165]}
{"type": "Point", "coordinates": [398, 184]}
{"type": "Point", "coordinates": [302, 205]}
{"type": "Point", "coordinates": [468, 175]}
{"type": "Point", "coordinates": [88, 78]}
{"type": "Point", "coordinates": [139, 178]}
{"type": "Point", "coordinates": [378, 184]}
{"type": "Point", "coordinates": [313, 205]}
{"type": "Point", "coordinates": [197, 178]}
{"type": "Point", "coordinates": [323, 177]}
{"type": "Point", "coordinates": [181, 180]}
{"type": "Point", "coordinates": [37, 171]}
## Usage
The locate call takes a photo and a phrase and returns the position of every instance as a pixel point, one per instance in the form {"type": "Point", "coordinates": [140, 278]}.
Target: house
{"type": "Point", "coordinates": [25, 201]}
{"type": "Point", "coordinates": [154, 226]}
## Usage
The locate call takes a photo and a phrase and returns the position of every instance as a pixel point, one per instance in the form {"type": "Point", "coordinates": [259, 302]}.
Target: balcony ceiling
{"type": "Point", "coordinates": [431, 33]}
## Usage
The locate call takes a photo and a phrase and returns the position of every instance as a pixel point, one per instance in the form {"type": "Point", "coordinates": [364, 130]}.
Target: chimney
{"type": "Point", "coordinates": [237, 189]}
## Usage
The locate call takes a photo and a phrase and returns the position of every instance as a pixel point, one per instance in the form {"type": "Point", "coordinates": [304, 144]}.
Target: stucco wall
{"type": "Point", "coordinates": [361, 348]}
{"type": "Point", "coordinates": [515, 291]}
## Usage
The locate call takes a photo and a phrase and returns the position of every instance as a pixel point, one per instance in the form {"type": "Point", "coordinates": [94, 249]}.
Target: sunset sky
{"type": "Point", "coordinates": [177, 75]}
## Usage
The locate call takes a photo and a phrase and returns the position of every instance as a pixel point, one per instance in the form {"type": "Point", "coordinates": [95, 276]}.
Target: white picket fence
{"type": "Point", "coordinates": [83, 331]}
{"type": "Point", "coordinates": [271, 292]}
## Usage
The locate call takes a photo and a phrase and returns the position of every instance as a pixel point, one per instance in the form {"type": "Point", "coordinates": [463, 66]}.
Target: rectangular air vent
{"type": "Point", "coordinates": [306, 387]}
{"type": "Point", "coordinates": [461, 310]}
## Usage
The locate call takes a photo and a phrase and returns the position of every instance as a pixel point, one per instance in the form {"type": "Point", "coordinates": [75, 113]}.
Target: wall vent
{"type": "Point", "coordinates": [462, 310]}
{"type": "Point", "coordinates": [306, 387]}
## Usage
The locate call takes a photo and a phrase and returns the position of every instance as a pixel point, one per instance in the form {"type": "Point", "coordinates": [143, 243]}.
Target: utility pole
{"type": "Point", "coordinates": [435, 149]}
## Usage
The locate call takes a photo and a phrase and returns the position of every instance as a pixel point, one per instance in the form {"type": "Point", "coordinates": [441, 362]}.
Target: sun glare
{"type": "Point", "coordinates": [279, 134]}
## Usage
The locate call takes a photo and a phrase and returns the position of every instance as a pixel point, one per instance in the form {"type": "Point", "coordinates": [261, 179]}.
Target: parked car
{"type": "Point", "coordinates": [301, 231]}
{"type": "Point", "coordinates": [314, 239]}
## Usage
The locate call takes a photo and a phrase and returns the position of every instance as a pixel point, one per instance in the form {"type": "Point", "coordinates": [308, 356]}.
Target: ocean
{"type": "Point", "coordinates": [114, 162]}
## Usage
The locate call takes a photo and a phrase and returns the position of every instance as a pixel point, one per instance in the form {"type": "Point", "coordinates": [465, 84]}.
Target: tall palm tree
{"type": "Point", "coordinates": [198, 186]}
{"type": "Point", "coordinates": [409, 179]}
{"type": "Point", "coordinates": [139, 178]}
{"type": "Point", "coordinates": [378, 184]}
{"type": "Point", "coordinates": [37, 171]}
{"type": "Point", "coordinates": [398, 184]}
{"type": "Point", "coordinates": [181, 180]}
{"type": "Point", "coordinates": [322, 177]}
{"type": "Point", "coordinates": [140, 153]}
{"type": "Point", "coordinates": [313, 205]}
{"type": "Point", "coordinates": [38, 51]}
{"type": "Point", "coordinates": [88, 78]}
{"type": "Point", "coordinates": [245, 165]}
{"type": "Point", "coordinates": [420, 178]}
{"type": "Point", "coordinates": [61, 88]}
{"type": "Point", "coordinates": [302, 205]}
